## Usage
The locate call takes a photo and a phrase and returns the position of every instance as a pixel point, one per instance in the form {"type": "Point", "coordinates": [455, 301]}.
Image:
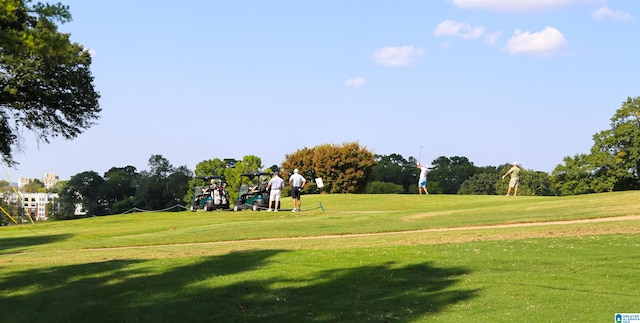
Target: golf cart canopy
{"type": "Point", "coordinates": [210, 177]}
{"type": "Point", "coordinates": [256, 174]}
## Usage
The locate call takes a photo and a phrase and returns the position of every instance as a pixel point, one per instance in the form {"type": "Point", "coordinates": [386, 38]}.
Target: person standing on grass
{"type": "Point", "coordinates": [296, 182]}
{"type": "Point", "coordinates": [422, 181]}
{"type": "Point", "coordinates": [276, 184]}
{"type": "Point", "coordinates": [515, 178]}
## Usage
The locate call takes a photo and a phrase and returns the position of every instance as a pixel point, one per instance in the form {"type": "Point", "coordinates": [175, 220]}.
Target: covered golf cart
{"type": "Point", "coordinates": [252, 193]}
{"type": "Point", "coordinates": [211, 197]}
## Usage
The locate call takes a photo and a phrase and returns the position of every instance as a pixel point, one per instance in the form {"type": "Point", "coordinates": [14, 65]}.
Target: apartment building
{"type": "Point", "coordinates": [35, 204]}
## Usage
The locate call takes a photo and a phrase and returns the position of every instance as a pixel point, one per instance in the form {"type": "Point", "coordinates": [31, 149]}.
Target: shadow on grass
{"type": "Point", "coordinates": [15, 245]}
{"type": "Point", "coordinates": [237, 287]}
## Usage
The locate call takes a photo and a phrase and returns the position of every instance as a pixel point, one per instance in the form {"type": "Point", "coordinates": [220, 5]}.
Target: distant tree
{"type": "Point", "coordinates": [35, 186]}
{"type": "Point", "coordinates": [539, 183]}
{"type": "Point", "coordinates": [176, 185]}
{"type": "Point", "coordinates": [383, 188]}
{"type": "Point", "coordinates": [67, 201]}
{"type": "Point", "coordinates": [343, 168]}
{"type": "Point", "coordinates": [152, 191]}
{"type": "Point", "coordinates": [119, 188]}
{"type": "Point", "coordinates": [214, 166]}
{"type": "Point", "coordinates": [574, 176]}
{"type": "Point", "coordinates": [159, 167]}
{"type": "Point", "coordinates": [4, 186]}
{"type": "Point", "coordinates": [4, 197]}
{"type": "Point", "coordinates": [394, 169]}
{"type": "Point", "coordinates": [57, 187]}
{"type": "Point", "coordinates": [45, 83]}
{"type": "Point", "coordinates": [4, 220]}
{"type": "Point", "coordinates": [480, 184]}
{"type": "Point", "coordinates": [616, 151]}
{"type": "Point", "coordinates": [614, 160]}
{"type": "Point", "coordinates": [86, 189]}
{"type": "Point", "coordinates": [450, 173]}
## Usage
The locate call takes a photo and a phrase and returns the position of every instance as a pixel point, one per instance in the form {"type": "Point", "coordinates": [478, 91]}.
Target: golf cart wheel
{"type": "Point", "coordinates": [192, 208]}
{"type": "Point", "coordinates": [255, 206]}
{"type": "Point", "coordinates": [205, 208]}
{"type": "Point", "coordinates": [236, 208]}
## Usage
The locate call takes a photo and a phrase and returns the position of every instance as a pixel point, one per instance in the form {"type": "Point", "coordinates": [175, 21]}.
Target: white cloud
{"type": "Point", "coordinates": [549, 42]}
{"type": "Point", "coordinates": [397, 56]}
{"type": "Point", "coordinates": [465, 31]}
{"type": "Point", "coordinates": [458, 29]}
{"type": "Point", "coordinates": [492, 38]}
{"type": "Point", "coordinates": [91, 52]}
{"type": "Point", "coordinates": [605, 12]}
{"type": "Point", "coordinates": [355, 82]}
{"type": "Point", "coordinates": [518, 5]}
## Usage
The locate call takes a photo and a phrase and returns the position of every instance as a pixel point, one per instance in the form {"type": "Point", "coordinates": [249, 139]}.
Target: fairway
{"type": "Point", "coordinates": [380, 258]}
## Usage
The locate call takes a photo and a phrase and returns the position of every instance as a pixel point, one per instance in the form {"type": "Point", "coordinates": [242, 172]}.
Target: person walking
{"type": "Point", "coordinates": [422, 181]}
{"type": "Point", "coordinates": [276, 184]}
{"type": "Point", "coordinates": [515, 178]}
{"type": "Point", "coordinates": [296, 182]}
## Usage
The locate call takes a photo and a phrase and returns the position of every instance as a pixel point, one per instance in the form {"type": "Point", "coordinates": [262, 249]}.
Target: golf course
{"type": "Point", "coordinates": [344, 258]}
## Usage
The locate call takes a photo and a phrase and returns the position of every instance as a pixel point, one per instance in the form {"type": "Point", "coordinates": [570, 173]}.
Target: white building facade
{"type": "Point", "coordinates": [34, 204]}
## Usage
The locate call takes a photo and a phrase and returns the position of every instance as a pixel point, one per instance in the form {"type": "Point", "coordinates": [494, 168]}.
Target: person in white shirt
{"type": "Point", "coordinates": [422, 181]}
{"type": "Point", "coordinates": [276, 184]}
{"type": "Point", "coordinates": [296, 182]}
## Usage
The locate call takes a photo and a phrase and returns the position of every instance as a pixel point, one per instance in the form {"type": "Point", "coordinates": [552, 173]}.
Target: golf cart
{"type": "Point", "coordinates": [253, 195]}
{"type": "Point", "coordinates": [211, 197]}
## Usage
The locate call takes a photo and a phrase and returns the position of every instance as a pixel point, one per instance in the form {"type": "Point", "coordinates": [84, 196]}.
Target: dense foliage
{"type": "Point", "coordinates": [121, 189]}
{"type": "Point", "coordinates": [383, 188]}
{"type": "Point", "coordinates": [614, 160]}
{"type": "Point", "coordinates": [395, 169]}
{"type": "Point", "coordinates": [450, 173]}
{"type": "Point", "coordinates": [46, 85]}
{"type": "Point", "coordinates": [343, 168]}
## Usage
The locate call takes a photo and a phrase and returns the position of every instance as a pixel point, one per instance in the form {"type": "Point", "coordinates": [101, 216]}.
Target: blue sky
{"type": "Point", "coordinates": [495, 81]}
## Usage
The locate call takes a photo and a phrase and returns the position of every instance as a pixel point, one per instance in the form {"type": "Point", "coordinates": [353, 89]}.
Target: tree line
{"type": "Point", "coordinates": [46, 87]}
{"type": "Point", "coordinates": [611, 165]}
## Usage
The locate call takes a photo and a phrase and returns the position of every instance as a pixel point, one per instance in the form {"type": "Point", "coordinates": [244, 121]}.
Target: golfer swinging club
{"type": "Point", "coordinates": [515, 178]}
{"type": "Point", "coordinates": [422, 181]}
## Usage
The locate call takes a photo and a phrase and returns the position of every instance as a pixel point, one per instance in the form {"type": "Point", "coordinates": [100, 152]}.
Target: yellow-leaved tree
{"type": "Point", "coordinates": [343, 168]}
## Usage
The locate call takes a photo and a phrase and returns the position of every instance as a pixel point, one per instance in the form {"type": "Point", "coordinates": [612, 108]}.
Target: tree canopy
{"type": "Point", "coordinates": [614, 160]}
{"type": "Point", "coordinates": [450, 173]}
{"type": "Point", "coordinates": [395, 169]}
{"type": "Point", "coordinates": [343, 168]}
{"type": "Point", "coordinates": [46, 86]}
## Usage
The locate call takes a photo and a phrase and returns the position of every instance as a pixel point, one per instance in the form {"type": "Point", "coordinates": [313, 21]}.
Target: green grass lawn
{"type": "Point", "coordinates": [373, 258]}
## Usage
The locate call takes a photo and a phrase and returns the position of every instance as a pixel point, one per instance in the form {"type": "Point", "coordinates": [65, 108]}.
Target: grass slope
{"type": "Point", "coordinates": [383, 258]}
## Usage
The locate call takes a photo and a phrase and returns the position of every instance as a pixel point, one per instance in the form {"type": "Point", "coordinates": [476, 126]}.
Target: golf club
{"type": "Point", "coordinates": [420, 154]}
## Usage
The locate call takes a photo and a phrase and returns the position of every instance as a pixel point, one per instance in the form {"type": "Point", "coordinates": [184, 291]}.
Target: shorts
{"type": "Point", "coordinates": [295, 193]}
{"type": "Point", "coordinates": [514, 182]}
{"type": "Point", "coordinates": [274, 195]}
{"type": "Point", "coordinates": [422, 183]}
